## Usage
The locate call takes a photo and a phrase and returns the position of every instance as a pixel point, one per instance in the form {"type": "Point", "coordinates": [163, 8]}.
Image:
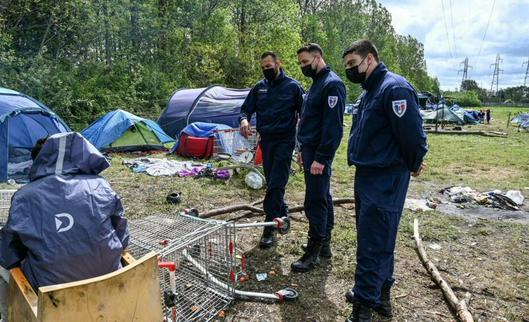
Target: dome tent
{"type": "Point", "coordinates": [23, 120]}
{"type": "Point", "coordinates": [213, 104]}
{"type": "Point", "coordinates": [122, 131]}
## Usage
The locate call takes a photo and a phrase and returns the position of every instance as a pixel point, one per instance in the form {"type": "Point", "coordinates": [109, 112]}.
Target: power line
{"type": "Point", "coordinates": [446, 30]}
{"type": "Point", "coordinates": [486, 28]}
{"type": "Point", "coordinates": [453, 29]}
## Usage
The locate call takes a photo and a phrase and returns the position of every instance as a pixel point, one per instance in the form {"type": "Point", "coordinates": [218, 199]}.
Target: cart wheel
{"type": "Point", "coordinates": [285, 227]}
{"type": "Point", "coordinates": [287, 294]}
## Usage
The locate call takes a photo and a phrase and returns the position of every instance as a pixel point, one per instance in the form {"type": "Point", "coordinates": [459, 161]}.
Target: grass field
{"type": "Point", "coordinates": [486, 260]}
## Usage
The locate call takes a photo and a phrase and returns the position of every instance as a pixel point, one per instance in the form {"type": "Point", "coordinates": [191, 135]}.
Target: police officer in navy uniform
{"type": "Point", "coordinates": [276, 100]}
{"type": "Point", "coordinates": [319, 135]}
{"type": "Point", "coordinates": [387, 144]}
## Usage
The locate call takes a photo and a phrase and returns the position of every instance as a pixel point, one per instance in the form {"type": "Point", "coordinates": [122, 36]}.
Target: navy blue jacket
{"type": "Point", "coordinates": [387, 131]}
{"type": "Point", "coordinates": [67, 224]}
{"type": "Point", "coordinates": [276, 104]}
{"type": "Point", "coordinates": [321, 125]}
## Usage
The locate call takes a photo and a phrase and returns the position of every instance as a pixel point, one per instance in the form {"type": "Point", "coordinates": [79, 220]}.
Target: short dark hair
{"type": "Point", "coordinates": [311, 48]}
{"type": "Point", "coordinates": [269, 53]}
{"type": "Point", "coordinates": [362, 48]}
{"type": "Point", "coordinates": [38, 146]}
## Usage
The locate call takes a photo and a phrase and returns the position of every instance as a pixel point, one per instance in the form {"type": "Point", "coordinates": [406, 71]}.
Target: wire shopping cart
{"type": "Point", "coordinates": [230, 144]}
{"type": "Point", "coordinates": [200, 268]}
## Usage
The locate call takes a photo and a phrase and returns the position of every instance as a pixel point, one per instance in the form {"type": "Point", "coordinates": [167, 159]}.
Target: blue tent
{"type": "Point", "coordinates": [23, 120]}
{"type": "Point", "coordinates": [122, 131]}
{"type": "Point", "coordinates": [214, 104]}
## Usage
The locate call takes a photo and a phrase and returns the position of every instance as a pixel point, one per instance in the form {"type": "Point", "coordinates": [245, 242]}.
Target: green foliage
{"type": "Point", "coordinates": [84, 58]}
{"type": "Point", "coordinates": [464, 99]}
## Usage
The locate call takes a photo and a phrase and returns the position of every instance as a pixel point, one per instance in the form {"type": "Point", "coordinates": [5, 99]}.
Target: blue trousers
{"type": "Point", "coordinates": [318, 199]}
{"type": "Point", "coordinates": [277, 157]}
{"type": "Point", "coordinates": [379, 199]}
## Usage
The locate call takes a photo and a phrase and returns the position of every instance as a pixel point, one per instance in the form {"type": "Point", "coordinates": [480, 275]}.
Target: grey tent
{"type": "Point", "coordinates": [444, 115]}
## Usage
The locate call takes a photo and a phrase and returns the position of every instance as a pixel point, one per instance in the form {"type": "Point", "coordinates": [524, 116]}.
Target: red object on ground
{"type": "Point", "coordinates": [195, 147]}
{"type": "Point", "coordinates": [258, 155]}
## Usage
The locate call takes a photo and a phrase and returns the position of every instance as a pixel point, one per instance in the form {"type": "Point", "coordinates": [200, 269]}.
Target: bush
{"type": "Point", "coordinates": [466, 99]}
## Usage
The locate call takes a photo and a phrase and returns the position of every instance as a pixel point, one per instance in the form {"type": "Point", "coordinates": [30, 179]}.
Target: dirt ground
{"type": "Point", "coordinates": [485, 261]}
{"type": "Point", "coordinates": [482, 253]}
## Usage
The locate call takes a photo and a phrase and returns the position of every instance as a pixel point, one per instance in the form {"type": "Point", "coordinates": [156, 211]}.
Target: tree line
{"type": "Point", "coordinates": [84, 58]}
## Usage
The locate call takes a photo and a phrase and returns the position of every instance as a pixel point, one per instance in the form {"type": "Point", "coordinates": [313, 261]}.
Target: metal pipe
{"type": "Point", "coordinates": [257, 224]}
{"type": "Point", "coordinates": [225, 286]}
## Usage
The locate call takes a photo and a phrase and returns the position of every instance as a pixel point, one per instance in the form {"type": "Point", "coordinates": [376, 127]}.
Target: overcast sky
{"type": "Point", "coordinates": [466, 22]}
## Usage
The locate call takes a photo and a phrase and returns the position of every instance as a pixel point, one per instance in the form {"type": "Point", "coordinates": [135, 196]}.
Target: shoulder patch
{"type": "Point", "coordinates": [399, 107]}
{"type": "Point", "coordinates": [332, 101]}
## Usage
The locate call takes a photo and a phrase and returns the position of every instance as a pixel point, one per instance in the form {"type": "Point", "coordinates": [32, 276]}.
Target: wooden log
{"type": "Point", "coordinates": [335, 202]}
{"type": "Point", "coordinates": [252, 210]}
{"type": "Point", "coordinates": [230, 209]}
{"type": "Point", "coordinates": [459, 306]}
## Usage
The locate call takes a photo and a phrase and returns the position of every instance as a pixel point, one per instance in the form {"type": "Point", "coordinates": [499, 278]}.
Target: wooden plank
{"type": "Point", "coordinates": [129, 294]}
{"type": "Point", "coordinates": [22, 300]}
{"type": "Point", "coordinates": [127, 258]}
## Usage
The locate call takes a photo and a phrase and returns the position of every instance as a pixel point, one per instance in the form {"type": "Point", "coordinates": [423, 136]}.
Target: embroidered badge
{"type": "Point", "coordinates": [399, 107]}
{"type": "Point", "coordinates": [332, 101]}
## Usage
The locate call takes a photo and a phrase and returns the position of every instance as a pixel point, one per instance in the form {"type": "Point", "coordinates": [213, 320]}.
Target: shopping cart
{"type": "Point", "coordinates": [230, 144]}
{"type": "Point", "coordinates": [5, 204]}
{"type": "Point", "coordinates": [200, 268]}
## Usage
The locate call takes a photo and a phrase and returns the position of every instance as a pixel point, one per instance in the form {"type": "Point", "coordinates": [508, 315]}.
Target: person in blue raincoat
{"type": "Point", "coordinates": [387, 144]}
{"type": "Point", "coordinates": [67, 224]}
{"type": "Point", "coordinates": [319, 135]}
{"type": "Point", "coordinates": [276, 102]}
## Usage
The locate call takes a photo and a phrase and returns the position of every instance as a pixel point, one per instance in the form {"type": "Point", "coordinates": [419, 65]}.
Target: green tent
{"type": "Point", "coordinates": [121, 131]}
{"type": "Point", "coordinates": [444, 115]}
{"type": "Point", "coordinates": [137, 137]}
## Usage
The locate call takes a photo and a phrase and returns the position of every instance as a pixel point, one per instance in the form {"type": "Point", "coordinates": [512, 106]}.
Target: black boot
{"type": "Point", "coordinates": [326, 248]}
{"type": "Point", "coordinates": [361, 313]}
{"type": "Point", "coordinates": [385, 308]}
{"type": "Point", "coordinates": [310, 259]}
{"type": "Point", "coordinates": [268, 238]}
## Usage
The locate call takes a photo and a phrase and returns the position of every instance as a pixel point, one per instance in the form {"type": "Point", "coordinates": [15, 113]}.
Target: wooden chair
{"type": "Point", "coordinates": [128, 294]}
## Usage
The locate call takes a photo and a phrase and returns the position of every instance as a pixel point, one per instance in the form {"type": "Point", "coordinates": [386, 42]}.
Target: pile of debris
{"type": "Point", "coordinates": [510, 200]}
{"type": "Point", "coordinates": [163, 167]}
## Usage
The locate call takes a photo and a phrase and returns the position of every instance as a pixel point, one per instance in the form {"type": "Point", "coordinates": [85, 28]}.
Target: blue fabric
{"type": "Point", "coordinates": [321, 124]}
{"type": "Point", "coordinates": [226, 141]}
{"type": "Point", "coordinates": [276, 104]}
{"type": "Point", "coordinates": [471, 117]}
{"type": "Point", "coordinates": [67, 224]}
{"type": "Point", "coordinates": [277, 157]}
{"type": "Point", "coordinates": [318, 199]}
{"type": "Point", "coordinates": [214, 104]}
{"type": "Point", "coordinates": [23, 121]}
{"type": "Point", "coordinates": [112, 125]}
{"type": "Point", "coordinates": [379, 201]}
{"type": "Point", "coordinates": [380, 138]}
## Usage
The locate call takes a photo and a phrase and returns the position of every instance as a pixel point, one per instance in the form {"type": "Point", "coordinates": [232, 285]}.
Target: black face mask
{"type": "Point", "coordinates": [270, 74]}
{"type": "Point", "coordinates": [308, 71]}
{"type": "Point", "coordinates": [354, 75]}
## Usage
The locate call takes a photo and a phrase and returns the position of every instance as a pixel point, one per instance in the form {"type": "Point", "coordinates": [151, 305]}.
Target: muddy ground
{"type": "Point", "coordinates": [483, 253]}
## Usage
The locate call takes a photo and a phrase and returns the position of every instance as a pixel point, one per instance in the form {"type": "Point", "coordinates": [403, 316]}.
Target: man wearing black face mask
{"type": "Point", "coordinates": [276, 100]}
{"type": "Point", "coordinates": [387, 144]}
{"type": "Point", "coordinates": [320, 133]}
